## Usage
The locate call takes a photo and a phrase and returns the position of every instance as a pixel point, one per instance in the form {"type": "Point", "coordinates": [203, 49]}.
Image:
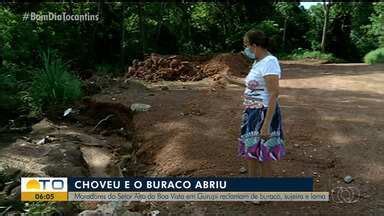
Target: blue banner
{"type": "Point", "coordinates": [186, 184]}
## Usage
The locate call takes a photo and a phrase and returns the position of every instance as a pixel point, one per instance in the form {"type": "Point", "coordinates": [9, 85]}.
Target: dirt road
{"type": "Point", "coordinates": [333, 120]}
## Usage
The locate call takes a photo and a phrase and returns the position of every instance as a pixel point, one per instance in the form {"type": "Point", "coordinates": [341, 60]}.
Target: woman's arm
{"type": "Point", "coordinates": [272, 83]}
{"type": "Point", "coordinates": [234, 80]}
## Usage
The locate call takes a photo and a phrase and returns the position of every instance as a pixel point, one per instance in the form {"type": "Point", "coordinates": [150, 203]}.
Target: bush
{"type": "Point", "coordinates": [14, 80]}
{"type": "Point", "coordinates": [8, 90]}
{"type": "Point", "coordinates": [54, 84]}
{"type": "Point", "coordinates": [300, 54]}
{"type": "Point", "coordinates": [374, 57]}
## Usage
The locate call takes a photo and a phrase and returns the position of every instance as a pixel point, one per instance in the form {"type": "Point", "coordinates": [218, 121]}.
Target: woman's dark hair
{"type": "Point", "coordinates": [257, 37]}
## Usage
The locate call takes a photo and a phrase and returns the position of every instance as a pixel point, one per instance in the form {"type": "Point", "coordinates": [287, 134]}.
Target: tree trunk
{"type": "Point", "coordinates": [285, 32]}
{"type": "Point", "coordinates": [122, 45]}
{"type": "Point", "coordinates": [326, 17]}
{"type": "Point", "coordinates": [160, 19]}
{"type": "Point", "coordinates": [186, 19]}
{"type": "Point", "coordinates": [141, 26]}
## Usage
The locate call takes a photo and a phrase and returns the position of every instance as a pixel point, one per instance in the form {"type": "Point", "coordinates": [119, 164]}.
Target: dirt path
{"type": "Point", "coordinates": [333, 119]}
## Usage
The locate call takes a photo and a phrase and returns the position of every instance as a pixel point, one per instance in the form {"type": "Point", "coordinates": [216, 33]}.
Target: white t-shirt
{"type": "Point", "coordinates": [256, 92]}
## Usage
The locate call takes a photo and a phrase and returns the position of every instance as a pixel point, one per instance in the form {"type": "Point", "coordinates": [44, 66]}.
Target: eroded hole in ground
{"type": "Point", "coordinates": [95, 138]}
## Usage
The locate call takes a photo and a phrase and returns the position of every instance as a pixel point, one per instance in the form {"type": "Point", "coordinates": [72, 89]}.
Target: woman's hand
{"type": "Point", "coordinates": [233, 80]}
{"type": "Point", "coordinates": [264, 132]}
{"type": "Point", "coordinates": [272, 82]}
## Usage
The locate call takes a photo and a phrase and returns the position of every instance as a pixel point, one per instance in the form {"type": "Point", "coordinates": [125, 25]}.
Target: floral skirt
{"type": "Point", "coordinates": [251, 146]}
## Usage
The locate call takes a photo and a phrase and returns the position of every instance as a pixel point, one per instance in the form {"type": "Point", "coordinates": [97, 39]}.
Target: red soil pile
{"type": "Point", "coordinates": [158, 67]}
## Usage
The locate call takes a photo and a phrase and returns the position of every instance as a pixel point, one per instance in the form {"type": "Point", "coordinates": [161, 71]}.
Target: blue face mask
{"type": "Point", "coordinates": [249, 53]}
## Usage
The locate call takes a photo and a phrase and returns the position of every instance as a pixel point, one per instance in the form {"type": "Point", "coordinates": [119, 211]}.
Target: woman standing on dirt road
{"type": "Point", "coordinates": [261, 140]}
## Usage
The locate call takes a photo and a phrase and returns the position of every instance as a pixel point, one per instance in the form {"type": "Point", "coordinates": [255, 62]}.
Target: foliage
{"type": "Point", "coordinates": [301, 54]}
{"type": "Point", "coordinates": [193, 28]}
{"type": "Point", "coordinates": [361, 35]}
{"type": "Point", "coordinates": [17, 38]}
{"type": "Point", "coordinates": [296, 21]}
{"type": "Point", "coordinates": [128, 31]}
{"type": "Point", "coordinates": [54, 84]}
{"type": "Point", "coordinates": [316, 20]}
{"type": "Point", "coordinates": [8, 90]}
{"type": "Point", "coordinates": [375, 56]}
{"type": "Point", "coordinates": [14, 80]}
{"type": "Point", "coordinates": [377, 19]}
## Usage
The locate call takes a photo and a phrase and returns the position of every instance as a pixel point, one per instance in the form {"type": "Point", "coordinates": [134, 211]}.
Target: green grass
{"type": "Point", "coordinates": [313, 55]}
{"type": "Point", "coordinates": [54, 83]}
{"type": "Point", "coordinates": [375, 56]}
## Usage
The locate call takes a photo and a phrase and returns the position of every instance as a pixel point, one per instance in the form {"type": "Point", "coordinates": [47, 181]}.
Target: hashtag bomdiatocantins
{"type": "Point", "coordinates": [60, 17]}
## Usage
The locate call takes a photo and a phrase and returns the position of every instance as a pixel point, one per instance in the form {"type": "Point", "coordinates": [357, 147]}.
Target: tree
{"type": "Point", "coordinates": [259, 10]}
{"type": "Point", "coordinates": [377, 19]}
{"type": "Point", "coordinates": [295, 24]}
{"type": "Point", "coordinates": [360, 35]}
{"type": "Point", "coordinates": [326, 8]}
{"type": "Point", "coordinates": [141, 25]}
{"type": "Point", "coordinates": [286, 10]}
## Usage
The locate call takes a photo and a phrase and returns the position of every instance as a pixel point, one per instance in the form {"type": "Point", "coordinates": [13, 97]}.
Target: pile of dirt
{"type": "Point", "coordinates": [157, 67]}
{"type": "Point", "coordinates": [232, 63]}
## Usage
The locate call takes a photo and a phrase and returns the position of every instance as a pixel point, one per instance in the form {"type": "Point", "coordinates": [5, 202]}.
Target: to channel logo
{"type": "Point", "coordinates": [44, 189]}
